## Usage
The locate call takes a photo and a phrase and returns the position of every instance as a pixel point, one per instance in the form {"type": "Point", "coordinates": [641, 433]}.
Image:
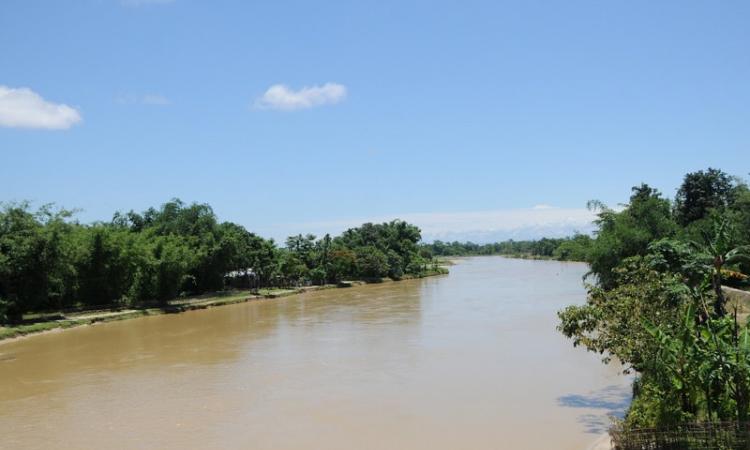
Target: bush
{"type": "Point", "coordinates": [318, 276]}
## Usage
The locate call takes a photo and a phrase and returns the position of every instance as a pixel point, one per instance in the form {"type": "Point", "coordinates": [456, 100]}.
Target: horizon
{"type": "Point", "coordinates": [537, 222]}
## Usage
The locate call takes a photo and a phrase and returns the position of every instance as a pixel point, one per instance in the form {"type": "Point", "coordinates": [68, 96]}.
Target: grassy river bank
{"type": "Point", "coordinates": [55, 321]}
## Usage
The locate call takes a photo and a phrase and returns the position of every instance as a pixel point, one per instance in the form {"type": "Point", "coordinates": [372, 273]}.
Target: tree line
{"type": "Point", "coordinates": [572, 248]}
{"type": "Point", "coordinates": [49, 261]}
{"type": "Point", "coordinates": [656, 301]}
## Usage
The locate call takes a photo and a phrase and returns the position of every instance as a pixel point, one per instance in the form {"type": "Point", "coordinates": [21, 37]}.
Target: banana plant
{"type": "Point", "coordinates": [718, 250]}
{"type": "Point", "coordinates": [704, 363]}
{"type": "Point", "coordinates": [675, 365]}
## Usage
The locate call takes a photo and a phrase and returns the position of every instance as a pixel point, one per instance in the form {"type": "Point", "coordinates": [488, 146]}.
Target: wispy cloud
{"type": "Point", "coordinates": [145, 2]}
{"type": "Point", "coordinates": [24, 108]}
{"type": "Point", "coordinates": [155, 99]}
{"type": "Point", "coordinates": [147, 99]}
{"type": "Point", "coordinates": [476, 226]}
{"type": "Point", "coordinates": [283, 98]}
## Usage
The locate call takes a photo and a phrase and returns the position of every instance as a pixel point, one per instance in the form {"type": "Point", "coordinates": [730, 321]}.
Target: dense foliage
{"type": "Point", "coordinates": [48, 261]}
{"type": "Point", "coordinates": [656, 302]}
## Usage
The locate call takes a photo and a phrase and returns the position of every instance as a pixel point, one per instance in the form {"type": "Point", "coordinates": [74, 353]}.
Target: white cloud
{"type": "Point", "coordinates": [476, 226]}
{"type": "Point", "coordinates": [283, 98]}
{"type": "Point", "coordinates": [24, 108]}
{"type": "Point", "coordinates": [148, 99]}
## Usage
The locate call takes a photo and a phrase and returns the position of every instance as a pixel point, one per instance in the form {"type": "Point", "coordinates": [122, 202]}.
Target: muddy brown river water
{"type": "Point", "coordinates": [471, 360]}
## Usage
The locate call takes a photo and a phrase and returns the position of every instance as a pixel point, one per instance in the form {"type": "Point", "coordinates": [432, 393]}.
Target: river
{"type": "Point", "coordinates": [471, 360]}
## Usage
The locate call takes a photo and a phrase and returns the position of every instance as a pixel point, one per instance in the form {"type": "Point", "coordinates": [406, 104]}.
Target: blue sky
{"type": "Point", "coordinates": [296, 116]}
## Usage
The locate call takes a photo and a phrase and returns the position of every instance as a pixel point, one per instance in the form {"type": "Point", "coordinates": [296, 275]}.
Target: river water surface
{"type": "Point", "coordinates": [471, 360]}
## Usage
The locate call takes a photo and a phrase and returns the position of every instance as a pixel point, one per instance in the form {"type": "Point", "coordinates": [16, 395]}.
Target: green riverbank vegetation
{"type": "Point", "coordinates": [656, 300]}
{"type": "Point", "coordinates": [50, 263]}
{"type": "Point", "coordinates": [574, 248]}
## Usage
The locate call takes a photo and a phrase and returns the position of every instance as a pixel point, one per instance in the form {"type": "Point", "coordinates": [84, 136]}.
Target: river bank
{"type": "Point", "coordinates": [604, 442]}
{"type": "Point", "coordinates": [63, 321]}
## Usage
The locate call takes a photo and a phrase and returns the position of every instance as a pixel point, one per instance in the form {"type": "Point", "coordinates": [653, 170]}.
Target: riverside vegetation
{"type": "Point", "coordinates": [655, 302]}
{"type": "Point", "coordinates": [573, 248]}
{"type": "Point", "coordinates": [49, 262]}
{"type": "Point", "coordinates": [657, 305]}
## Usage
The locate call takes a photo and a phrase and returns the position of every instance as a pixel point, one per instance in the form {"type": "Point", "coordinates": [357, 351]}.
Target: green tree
{"type": "Point", "coordinates": [646, 218]}
{"type": "Point", "coordinates": [343, 263]}
{"type": "Point", "coordinates": [293, 269]}
{"type": "Point", "coordinates": [575, 248]}
{"type": "Point", "coordinates": [701, 192]}
{"type": "Point", "coordinates": [612, 322]}
{"type": "Point", "coordinates": [33, 269]}
{"type": "Point", "coordinates": [172, 259]}
{"type": "Point", "coordinates": [304, 248]}
{"type": "Point", "coordinates": [371, 262]}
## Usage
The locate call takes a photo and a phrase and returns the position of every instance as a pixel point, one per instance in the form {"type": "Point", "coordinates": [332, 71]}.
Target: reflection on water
{"type": "Point", "coordinates": [471, 360]}
{"type": "Point", "coordinates": [612, 401]}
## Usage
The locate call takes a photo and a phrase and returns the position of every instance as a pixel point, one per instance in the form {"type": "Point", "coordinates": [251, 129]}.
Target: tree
{"type": "Point", "coordinates": [573, 249]}
{"type": "Point", "coordinates": [104, 275]}
{"type": "Point", "coordinates": [612, 320]}
{"type": "Point", "coordinates": [303, 247]}
{"type": "Point", "coordinates": [34, 271]}
{"type": "Point", "coordinates": [371, 262]}
{"type": "Point", "coordinates": [646, 218]}
{"type": "Point", "coordinates": [677, 257]}
{"type": "Point", "coordinates": [394, 242]}
{"type": "Point", "coordinates": [701, 192]}
{"type": "Point", "coordinates": [395, 265]}
{"type": "Point", "coordinates": [739, 216]}
{"type": "Point", "coordinates": [343, 263]}
{"type": "Point", "coordinates": [293, 269]}
{"type": "Point", "coordinates": [49, 261]}
{"type": "Point", "coordinates": [172, 260]}
{"type": "Point", "coordinates": [264, 256]}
